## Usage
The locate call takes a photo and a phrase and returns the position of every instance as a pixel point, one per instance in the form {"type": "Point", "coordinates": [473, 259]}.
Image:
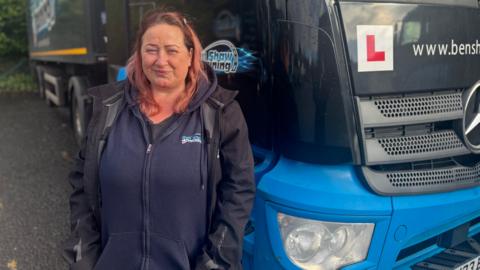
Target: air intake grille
{"type": "Point", "coordinates": [411, 143]}
{"type": "Point", "coordinates": [440, 141]}
{"type": "Point", "coordinates": [425, 178]}
{"type": "Point", "coordinates": [408, 110]}
{"type": "Point", "coordinates": [422, 181]}
{"type": "Point", "coordinates": [398, 148]}
{"type": "Point", "coordinates": [416, 106]}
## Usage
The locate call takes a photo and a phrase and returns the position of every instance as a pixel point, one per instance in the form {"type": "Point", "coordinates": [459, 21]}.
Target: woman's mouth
{"type": "Point", "coordinates": [161, 72]}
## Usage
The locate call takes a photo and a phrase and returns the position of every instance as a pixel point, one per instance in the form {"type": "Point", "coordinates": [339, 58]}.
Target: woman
{"type": "Point", "coordinates": [165, 179]}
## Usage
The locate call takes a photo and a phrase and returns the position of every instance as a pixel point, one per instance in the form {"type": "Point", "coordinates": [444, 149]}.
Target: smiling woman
{"type": "Point", "coordinates": [169, 150]}
{"type": "Point", "coordinates": [165, 58]}
{"type": "Point", "coordinates": [165, 62]}
{"type": "Point", "coordinates": [168, 53]}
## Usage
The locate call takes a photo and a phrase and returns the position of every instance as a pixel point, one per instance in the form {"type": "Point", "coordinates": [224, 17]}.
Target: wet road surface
{"type": "Point", "coordinates": [36, 148]}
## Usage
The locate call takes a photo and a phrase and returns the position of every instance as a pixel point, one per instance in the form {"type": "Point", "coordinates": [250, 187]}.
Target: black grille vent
{"type": "Point", "coordinates": [411, 145]}
{"type": "Point", "coordinates": [435, 177]}
{"type": "Point", "coordinates": [407, 110]}
{"type": "Point", "coordinates": [418, 179]}
{"type": "Point", "coordinates": [422, 181]}
{"type": "Point", "coordinates": [393, 145]}
{"type": "Point", "coordinates": [414, 106]}
{"type": "Point", "coordinates": [403, 134]}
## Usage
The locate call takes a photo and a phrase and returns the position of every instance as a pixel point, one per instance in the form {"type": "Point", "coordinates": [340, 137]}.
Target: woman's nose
{"type": "Point", "coordinates": [161, 58]}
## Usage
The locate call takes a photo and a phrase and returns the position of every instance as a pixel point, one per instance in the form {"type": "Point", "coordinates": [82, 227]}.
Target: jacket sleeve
{"type": "Point", "coordinates": [235, 194]}
{"type": "Point", "coordinates": [82, 248]}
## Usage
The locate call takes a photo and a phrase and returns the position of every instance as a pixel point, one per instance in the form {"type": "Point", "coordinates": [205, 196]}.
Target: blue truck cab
{"type": "Point", "coordinates": [363, 117]}
{"type": "Point", "coordinates": [372, 164]}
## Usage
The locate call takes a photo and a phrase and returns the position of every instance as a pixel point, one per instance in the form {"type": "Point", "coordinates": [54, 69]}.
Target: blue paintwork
{"type": "Point", "coordinates": [335, 193]}
{"type": "Point", "coordinates": [426, 216]}
{"type": "Point", "coordinates": [332, 190]}
{"type": "Point", "coordinates": [122, 74]}
{"type": "Point", "coordinates": [268, 161]}
{"type": "Point", "coordinates": [381, 227]}
{"type": "Point", "coordinates": [427, 253]}
{"type": "Point", "coordinates": [330, 193]}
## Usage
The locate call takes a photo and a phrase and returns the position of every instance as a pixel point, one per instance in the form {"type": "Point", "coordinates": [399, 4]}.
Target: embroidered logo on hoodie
{"type": "Point", "coordinates": [195, 138]}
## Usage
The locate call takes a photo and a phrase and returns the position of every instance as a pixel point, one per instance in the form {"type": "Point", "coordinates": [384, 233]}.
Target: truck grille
{"type": "Point", "coordinates": [411, 145]}
{"type": "Point", "coordinates": [400, 132]}
{"type": "Point", "coordinates": [422, 181]}
{"type": "Point", "coordinates": [400, 110]}
{"type": "Point", "coordinates": [417, 147]}
{"type": "Point", "coordinates": [417, 106]}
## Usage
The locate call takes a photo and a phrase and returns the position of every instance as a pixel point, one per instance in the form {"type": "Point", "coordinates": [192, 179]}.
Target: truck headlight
{"type": "Point", "coordinates": [319, 245]}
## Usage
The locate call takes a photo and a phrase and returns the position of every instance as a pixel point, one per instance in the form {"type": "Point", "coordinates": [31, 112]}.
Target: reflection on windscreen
{"type": "Point", "coordinates": [466, 3]}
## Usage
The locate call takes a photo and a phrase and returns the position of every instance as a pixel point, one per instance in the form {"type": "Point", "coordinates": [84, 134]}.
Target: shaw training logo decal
{"type": "Point", "coordinates": [375, 47]}
{"type": "Point", "coordinates": [222, 55]}
{"type": "Point", "coordinates": [225, 58]}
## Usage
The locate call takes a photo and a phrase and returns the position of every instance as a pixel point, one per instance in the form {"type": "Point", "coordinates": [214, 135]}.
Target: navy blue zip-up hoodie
{"type": "Point", "coordinates": [154, 202]}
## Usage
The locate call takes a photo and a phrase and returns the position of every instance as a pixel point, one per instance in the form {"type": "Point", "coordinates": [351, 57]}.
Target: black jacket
{"type": "Point", "coordinates": [230, 182]}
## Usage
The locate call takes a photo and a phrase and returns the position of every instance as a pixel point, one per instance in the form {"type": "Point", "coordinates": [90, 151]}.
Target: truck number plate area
{"type": "Point", "coordinates": [464, 256]}
{"type": "Point", "coordinates": [470, 265]}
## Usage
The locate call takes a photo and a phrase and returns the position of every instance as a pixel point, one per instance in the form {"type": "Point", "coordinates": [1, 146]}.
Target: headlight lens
{"type": "Point", "coordinates": [319, 245]}
{"type": "Point", "coordinates": [305, 241]}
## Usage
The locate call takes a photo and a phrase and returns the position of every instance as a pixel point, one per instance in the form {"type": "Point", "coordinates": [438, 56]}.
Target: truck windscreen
{"type": "Point", "coordinates": [465, 3]}
{"type": "Point", "coordinates": [410, 48]}
{"type": "Point", "coordinates": [310, 110]}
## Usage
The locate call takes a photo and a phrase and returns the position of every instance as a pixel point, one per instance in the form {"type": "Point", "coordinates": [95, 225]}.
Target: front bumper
{"type": "Point", "coordinates": [335, 193]}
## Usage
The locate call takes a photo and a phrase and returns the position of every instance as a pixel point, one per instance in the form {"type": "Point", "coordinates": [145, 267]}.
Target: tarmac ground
{"type": "Point", "coordinates": [36, 150]}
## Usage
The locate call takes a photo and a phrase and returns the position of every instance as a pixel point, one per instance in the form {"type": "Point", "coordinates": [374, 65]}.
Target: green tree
{"type": "Point", "coordinates": [13, 29]}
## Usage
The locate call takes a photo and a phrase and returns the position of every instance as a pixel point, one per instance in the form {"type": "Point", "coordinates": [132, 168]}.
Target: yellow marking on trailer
{"type": "Point", "coordinates": [72, 51]}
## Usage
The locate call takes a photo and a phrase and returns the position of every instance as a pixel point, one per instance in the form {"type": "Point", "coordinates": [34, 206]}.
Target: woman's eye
{"type": "Point", "coordinates": [172, 51]}
{"type": "Point", "coordinates": [151, 51]}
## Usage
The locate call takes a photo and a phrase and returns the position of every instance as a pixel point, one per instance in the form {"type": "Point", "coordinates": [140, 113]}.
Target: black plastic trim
{"type": "Point", "coordinates": [422, 181]}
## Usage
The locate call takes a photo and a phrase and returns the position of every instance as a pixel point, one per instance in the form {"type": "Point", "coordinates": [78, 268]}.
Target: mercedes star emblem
{"type": "Point", "coordinates": [471, 118]}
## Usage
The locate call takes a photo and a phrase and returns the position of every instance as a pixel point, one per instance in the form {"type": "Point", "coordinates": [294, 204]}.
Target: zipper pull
{"type": "Point", "coordinates": [218, 153]}
{"type": "Point", "coordinates": [149, 148]}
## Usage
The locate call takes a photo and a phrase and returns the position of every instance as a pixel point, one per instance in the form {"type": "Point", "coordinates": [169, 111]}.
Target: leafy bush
{"type": "Point", "coordinates": [18, 82]}
{"type": "Point", "coordinates": [14, 76]}
{"type": "Point", "coordinates": [13, 28]}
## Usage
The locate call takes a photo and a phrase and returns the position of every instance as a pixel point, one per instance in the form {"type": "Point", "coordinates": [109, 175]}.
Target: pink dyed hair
{"type": "Point", "coordinates": [135, 72]}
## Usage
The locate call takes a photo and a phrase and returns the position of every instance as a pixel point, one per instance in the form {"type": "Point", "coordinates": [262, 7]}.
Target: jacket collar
{"type": "Point", "coordinates": [109, 93]}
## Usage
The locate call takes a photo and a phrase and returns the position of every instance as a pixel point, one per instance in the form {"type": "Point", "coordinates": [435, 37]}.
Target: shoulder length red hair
{"type": "Point", "coordinates": [136, 75]}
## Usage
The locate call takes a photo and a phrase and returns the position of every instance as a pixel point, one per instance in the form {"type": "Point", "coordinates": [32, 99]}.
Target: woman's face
{"type": "Point", "coordinates": [165, 58]}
